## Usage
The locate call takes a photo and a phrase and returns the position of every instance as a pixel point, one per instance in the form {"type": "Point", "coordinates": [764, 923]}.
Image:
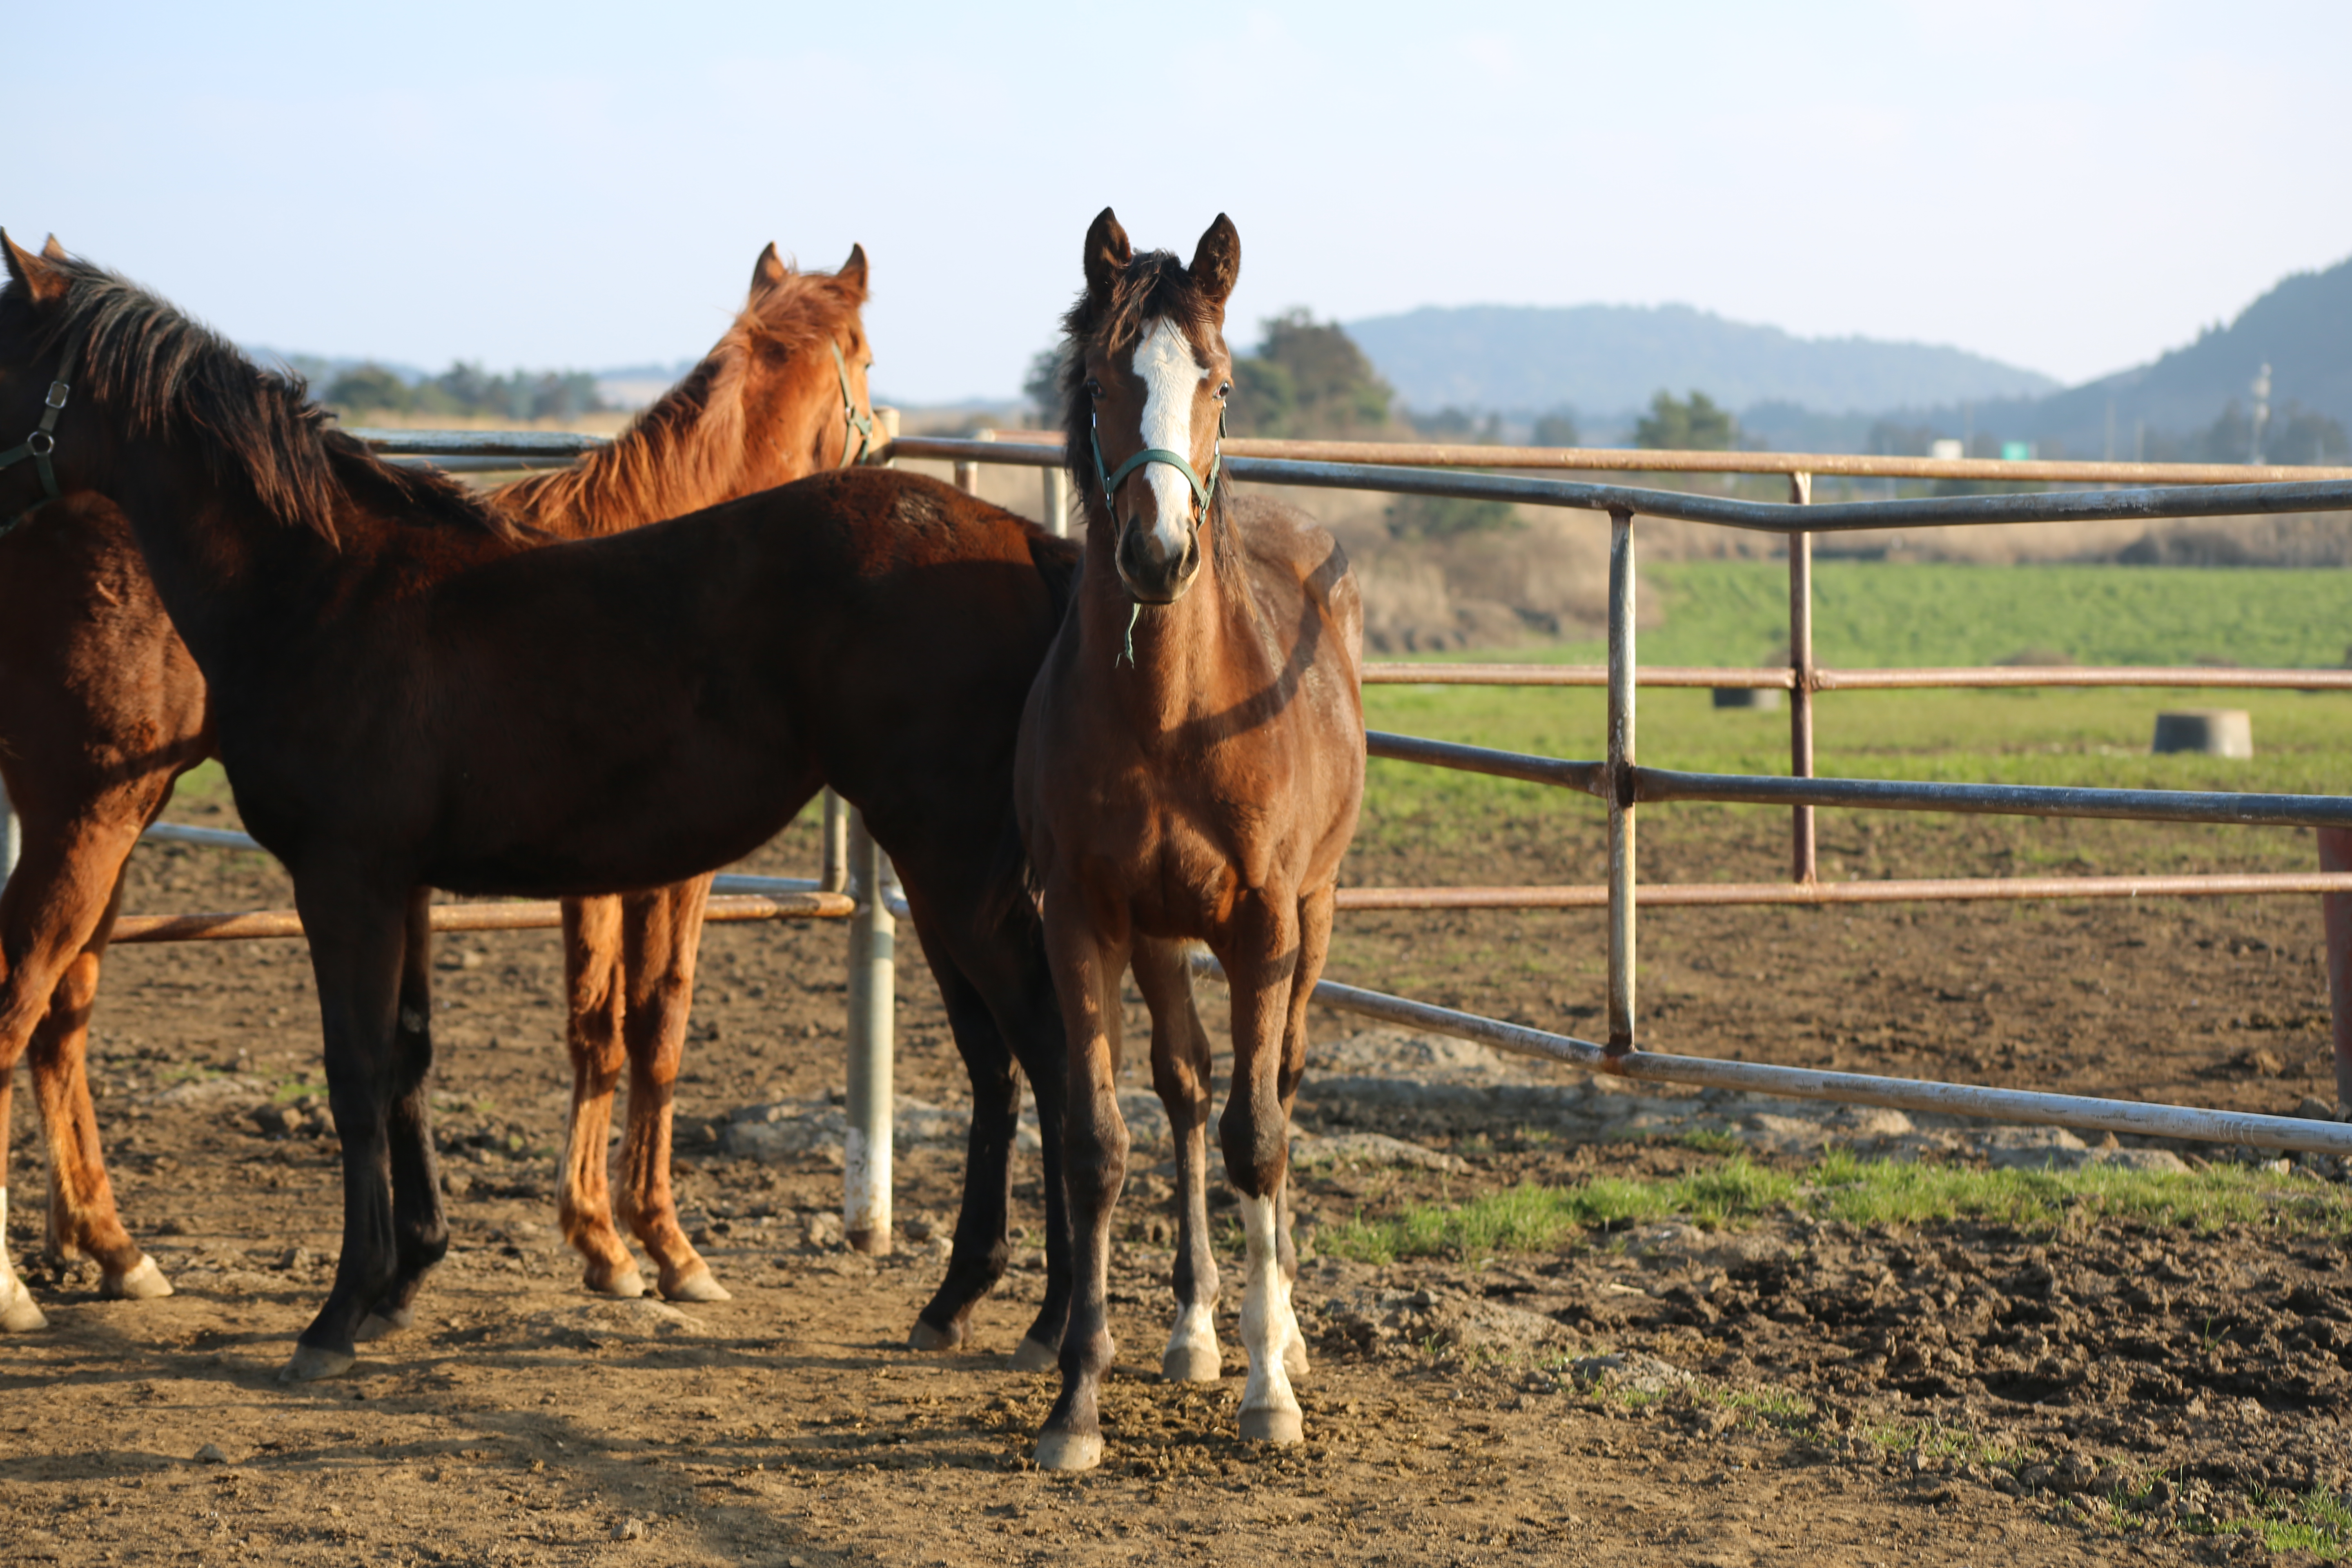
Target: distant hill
{"type": "Point", "coordinates": [1606, 360]}
{"type": "Point", "coordinates": [2301, 329]}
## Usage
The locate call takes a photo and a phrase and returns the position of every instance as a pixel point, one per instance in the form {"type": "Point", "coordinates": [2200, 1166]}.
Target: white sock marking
{"type": "Point", "coordinates": [17, 1309]}
{"type": "Point", "coordinates": [1267, 1322]}
{"type": "Point", "coordinates": [1172, 378]}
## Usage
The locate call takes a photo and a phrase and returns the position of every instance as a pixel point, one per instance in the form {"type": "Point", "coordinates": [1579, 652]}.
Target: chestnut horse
{"type": "Point", "coordinates": [411, 692]}
{"type": "Point", "coordinates": [1190, 763]}
{"type": "Point", "coordinates": [103, 709]}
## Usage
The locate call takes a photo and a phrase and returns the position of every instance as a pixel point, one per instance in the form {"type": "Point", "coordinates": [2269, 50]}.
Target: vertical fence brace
{"type": "Point", "coordinates": [873, 936]}
{"type": "Point", "coordinates": [1057, 501]}
{"type": "Point", "coordinates": [1620, 781]}
{"type": "Point", "coordinates": [967, 475]}
{"type": "Point", "coordinates": [832, 848]}
{"type": "Point", "coordinates": [2336, 855]}
{"type": "Point", "coordinates": [1803, 866]}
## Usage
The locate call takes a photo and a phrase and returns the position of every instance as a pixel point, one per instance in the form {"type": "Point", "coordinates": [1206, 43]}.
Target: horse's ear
{"type": "Point", "coordinates": [853, 271]}
{"type": "Point", "coordinates": [52, 249]}
{"type": "Point", "coordinates": [1217, 261]}
{"type": "Point", "coordinates": [42, 282]}
{"type": "Point", "coordinates": [768, 271]}
{"type": "Point", "coordinates": [1108, 253]}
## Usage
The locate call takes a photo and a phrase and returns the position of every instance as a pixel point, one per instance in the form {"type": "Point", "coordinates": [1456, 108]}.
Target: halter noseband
{"type": "Point", "coordinates": [42, 442]}
{"type": "Point", "coordinates": [1203, 494]}
{"type": "Point", "coordinates": [862, 422]}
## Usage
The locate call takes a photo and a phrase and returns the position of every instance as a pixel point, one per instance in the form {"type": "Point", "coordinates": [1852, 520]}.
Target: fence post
{"type": "Point", "coordinates": [1057, 501]}
{"type": "Point", "coordinates": [833, 854]}
{"type": "Point", "coordinates": [12, 837]}
{"type": "Point", "coordinates": [967, 475]}
{"type": "Point", "coordinates": [887, 417]}
{"type": "Point", "coordinates": [1803, 864]}
{"type": "Point", "coordinates": [873, 936]}
{"type": "Point", "coordinates": [2336, 910]}
{"type": "Point", "coordinates": [1620, 781]}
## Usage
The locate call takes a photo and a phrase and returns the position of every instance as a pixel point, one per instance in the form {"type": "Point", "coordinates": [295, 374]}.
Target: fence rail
{"type": "Point", "coordinates": [854, 884]}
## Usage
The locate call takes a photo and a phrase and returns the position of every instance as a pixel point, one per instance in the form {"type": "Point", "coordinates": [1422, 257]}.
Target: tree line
{"type": "Point", "coordinates": [466, 389]}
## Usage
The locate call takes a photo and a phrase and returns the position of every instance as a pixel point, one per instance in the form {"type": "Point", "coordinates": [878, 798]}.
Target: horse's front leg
{"type": "Point", "coordinates": [595, 1005]}
{"type": "Point", "coordinates": [55, 919]}
{"type": "Point", "coordinates": [420, 1227]}
{"type": "Point", "coordinates": [358, 936]}
{"type": "Point", "coordinates": [1086, 966]}
{"type": "Point", "coordinates": [661, 934]}
{"type": "Point", "coordinates": [1262, 953]}
{"type": "Point", "coordinates": [1180, 1073]}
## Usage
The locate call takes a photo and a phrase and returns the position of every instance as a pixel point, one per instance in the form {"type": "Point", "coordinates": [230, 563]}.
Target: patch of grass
{"type": "Point", "coordinates": [1534, 1218]}
{"type": "Point", "coordinates": [2316, 1522]}
{"type": "Point", "coordinates": [1710, 1140]}
{"type": "Point", "coordinates": [1934, 1442]}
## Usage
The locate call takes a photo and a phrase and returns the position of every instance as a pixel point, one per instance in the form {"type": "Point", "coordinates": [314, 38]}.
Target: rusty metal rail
{"type": "Point", "coordinates": [538, 914]}
{"type": "Point", "coordinates": [2181, 677]}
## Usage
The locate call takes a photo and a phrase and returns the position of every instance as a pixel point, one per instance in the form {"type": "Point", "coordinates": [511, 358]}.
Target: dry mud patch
{"type": "Point", "coordinates": [1791, 1392]}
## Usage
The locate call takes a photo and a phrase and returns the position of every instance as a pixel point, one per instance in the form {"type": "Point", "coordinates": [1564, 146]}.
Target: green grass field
{"type": "Point", "coordinates": [1735, 613]}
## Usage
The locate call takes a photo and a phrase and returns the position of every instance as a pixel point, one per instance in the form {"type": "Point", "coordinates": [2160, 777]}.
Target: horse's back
{"type": "Point", "coordinates": [1294, 562]}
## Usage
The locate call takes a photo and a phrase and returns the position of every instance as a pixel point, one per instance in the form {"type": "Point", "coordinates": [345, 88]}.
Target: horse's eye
{"type": "Point", "coordinates": [1225, 391]}
{"type": "Point", "coordinates": [1093, 387]}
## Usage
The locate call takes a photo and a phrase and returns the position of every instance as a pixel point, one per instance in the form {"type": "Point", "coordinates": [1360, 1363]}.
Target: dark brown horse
{"type": "Point", "coordinates": [411, 691]}
{"type": "Point", "coordinates": [1192, 759]}
{"type": "Point", "coordinates": [101, 709]}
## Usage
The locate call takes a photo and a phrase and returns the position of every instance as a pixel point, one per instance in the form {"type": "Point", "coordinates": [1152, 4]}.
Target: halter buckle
{"type": "Point", "coordinates": [59, 391]}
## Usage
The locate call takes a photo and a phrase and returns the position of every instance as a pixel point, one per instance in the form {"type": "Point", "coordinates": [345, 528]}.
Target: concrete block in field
{"type": "Point", "coordinates": [2208, 731]}
{"type": "Point", "coordinates": [1763, 698]}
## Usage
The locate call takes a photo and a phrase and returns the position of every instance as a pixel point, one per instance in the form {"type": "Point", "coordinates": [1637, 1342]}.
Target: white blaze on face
{"type": "Point", "coordinates": [1171, 379]}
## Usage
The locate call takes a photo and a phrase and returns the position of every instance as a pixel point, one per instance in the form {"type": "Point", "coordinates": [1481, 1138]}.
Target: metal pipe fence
{"type": "Point", "coordinates": [1624, 785]}
{"type": "Point", "coordinates": [854, 881]}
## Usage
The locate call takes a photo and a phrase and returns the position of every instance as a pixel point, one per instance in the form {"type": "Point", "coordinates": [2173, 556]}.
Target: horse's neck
{"type": "Point", "coordinates": [669, 462]}
{"type": "Point", "coordinates": [1189, 659]}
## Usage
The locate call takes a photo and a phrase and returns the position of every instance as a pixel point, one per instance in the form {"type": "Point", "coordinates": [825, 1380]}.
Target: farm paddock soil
{"type": "Point", "coordinates": [1800, 1393]}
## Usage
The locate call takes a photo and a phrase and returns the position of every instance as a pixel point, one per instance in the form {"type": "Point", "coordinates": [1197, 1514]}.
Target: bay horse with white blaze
{"type": "Point", "coordinates": [1190, 763]}
{"type": "Point", "coordinates": [411, 691]}
{"type": "Point", "coordinates": [102, 709]}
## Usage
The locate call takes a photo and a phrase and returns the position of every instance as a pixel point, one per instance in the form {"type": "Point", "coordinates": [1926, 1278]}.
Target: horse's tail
{"type": "Point", "coordinates": [1012, 879]}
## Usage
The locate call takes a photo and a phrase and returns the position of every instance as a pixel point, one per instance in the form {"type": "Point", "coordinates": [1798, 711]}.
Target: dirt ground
{"type": "Point", "coordinates": [1802, 1393]}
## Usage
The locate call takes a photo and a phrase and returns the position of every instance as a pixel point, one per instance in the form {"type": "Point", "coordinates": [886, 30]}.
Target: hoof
{"type": "Point", "coordinates": [308, 1363]}
{"type": "Point", "coordinates": [1068, 1451]}
{"type": "Point", "coordinates": [1034, 1355]}
{"type": "Point", "coordinates": [1191, 1363]}
{"type": "Point", "coordinates": [931, 1339]}
{"type": "Point", "coordinates": [626, 1283]}
{"type": "Point", "coordinates": [143, 1283]}
{"type": "Point", "coordinates": [1284, 1427]}
{"type": "Point", "coordinates": [19, 1313]}
{"type": "Point", "coordinates": [699, 1285]}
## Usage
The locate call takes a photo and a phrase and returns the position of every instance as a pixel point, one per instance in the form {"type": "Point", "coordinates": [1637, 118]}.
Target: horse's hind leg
{"type": "Point", "coordinates": [54, 919]}
{"type": "Point", "coordinates": [1180, 1072]}
{"type": "Point", "coordinates": [977, 1257]}
{"type": "Point", "coordinates": [662, 929]}
{"type": "Point", "coordinates": [595, 996]}
{"type": "Point", "coordinates": [420, 1229]}
{"type": "Point", "coordinates": [359, 939]}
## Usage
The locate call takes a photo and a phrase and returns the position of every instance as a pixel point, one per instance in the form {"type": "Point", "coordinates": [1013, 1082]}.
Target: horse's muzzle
{"type": "Point", "coordinates": [1152, 576]}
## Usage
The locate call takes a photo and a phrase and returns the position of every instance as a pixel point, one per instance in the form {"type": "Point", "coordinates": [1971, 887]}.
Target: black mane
{"type": "Point", "coordinates": [170, 378]}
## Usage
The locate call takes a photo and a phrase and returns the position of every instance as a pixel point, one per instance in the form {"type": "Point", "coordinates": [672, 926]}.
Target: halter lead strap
{"type": "Point", "coordinates": [1203, 493]}
{"type": "Point", "coordinates": [43, 441]}
{"type": "Point", "coordinates": [862, 423]}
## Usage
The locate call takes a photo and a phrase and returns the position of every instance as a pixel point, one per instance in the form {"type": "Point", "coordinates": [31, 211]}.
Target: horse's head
{"type": "Point", "coordinates": [35, 380]}
{"type": "Point", "coordinates": [804, 362]}
{"type": "Point", "coordinates": [1148, 377]}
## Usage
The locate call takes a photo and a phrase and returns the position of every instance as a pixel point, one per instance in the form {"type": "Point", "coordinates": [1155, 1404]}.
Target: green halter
{"type": "Point", "coordinates": [861, 422]}
{"type": "Point", "coordinates": [1203, 494]}
{"type": "Point", "coordinates": [42, 441]}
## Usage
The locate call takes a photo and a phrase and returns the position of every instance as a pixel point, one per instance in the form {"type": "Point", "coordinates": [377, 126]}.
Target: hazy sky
{"type": "Point", "coordinates": [2070, 187]}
